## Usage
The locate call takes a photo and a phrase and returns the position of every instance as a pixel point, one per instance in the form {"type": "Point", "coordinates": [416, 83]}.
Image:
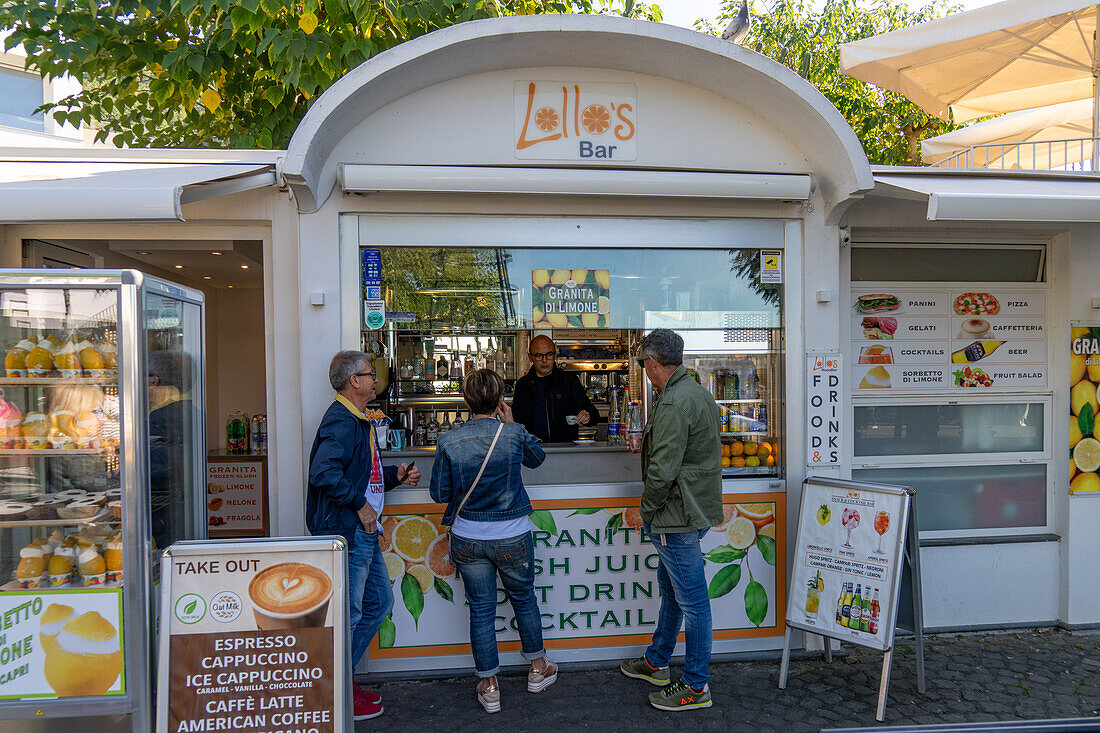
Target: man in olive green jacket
{"type": "Point", "coordinates": [681, 501]}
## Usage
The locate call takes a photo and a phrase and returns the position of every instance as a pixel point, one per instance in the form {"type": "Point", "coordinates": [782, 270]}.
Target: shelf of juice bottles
{"type": "Point", "coordinates": [749, 471]}
{"type": "Point", "coordinates": [46, 381]}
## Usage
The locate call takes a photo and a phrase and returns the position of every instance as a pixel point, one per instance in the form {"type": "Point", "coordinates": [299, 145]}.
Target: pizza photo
{"type": "Point", "coordinates": [977, 304]}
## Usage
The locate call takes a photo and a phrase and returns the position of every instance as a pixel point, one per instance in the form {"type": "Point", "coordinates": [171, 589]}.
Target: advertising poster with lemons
{"type": "Point", "coordinates": [1084, 425]}
{"type": "Point", "coordinates": [252, 642]}
{"type": "Point", "coordinates": [571, 298]}
{"type": "Point", "coordinates": [595, 578]}
{"type": "Point", "coordinates": [59, 644]}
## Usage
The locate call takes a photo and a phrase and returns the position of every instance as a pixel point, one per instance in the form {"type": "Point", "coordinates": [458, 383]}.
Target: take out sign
{"type": "Point", "coordinates": [568, 120]}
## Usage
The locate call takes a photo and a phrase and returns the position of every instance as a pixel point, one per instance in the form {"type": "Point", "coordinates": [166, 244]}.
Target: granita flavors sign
{"type": "Point", "coordinates": [571, 298]}
{"type": "Point", "coordinates": [569, 120]}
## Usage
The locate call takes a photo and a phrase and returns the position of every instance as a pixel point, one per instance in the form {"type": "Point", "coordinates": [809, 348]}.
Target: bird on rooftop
{"type": "Point", "coordinates": [739, 27]}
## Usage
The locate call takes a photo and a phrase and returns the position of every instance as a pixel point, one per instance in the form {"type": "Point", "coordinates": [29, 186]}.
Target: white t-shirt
{"type": "Point", "coordinates": [376, 487]}
{"type": "Point", "coordinates": [472, 530]}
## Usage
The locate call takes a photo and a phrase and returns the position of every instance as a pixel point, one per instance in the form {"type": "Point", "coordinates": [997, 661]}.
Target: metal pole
{"type": "Point", "coordinates": [884, 686]}
{"type": "Point", "coordinates": [828, 648]}
{"type": "Point", "coordinates": [1096, 92]}
{"type": "Point", "coordinates": [786, 660]}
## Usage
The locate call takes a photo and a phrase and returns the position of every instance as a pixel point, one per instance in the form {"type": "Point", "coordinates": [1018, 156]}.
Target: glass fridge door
{"type": "Point", "coordinates": [174, 370]}
{"type": "Point", "coordinates": [61, 546]}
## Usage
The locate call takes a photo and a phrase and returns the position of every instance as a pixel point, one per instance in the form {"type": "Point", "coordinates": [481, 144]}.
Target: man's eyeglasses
{"type": "Point", "coordinates": [372, 374]}
{"type": "Point", "coordinates": [641, 361]}
{"type": "Point", "coordinates": [544, 357]}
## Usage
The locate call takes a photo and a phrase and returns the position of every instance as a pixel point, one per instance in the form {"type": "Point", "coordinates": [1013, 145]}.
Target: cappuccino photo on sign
{"type": "Point", "coordinates": [255, 639]}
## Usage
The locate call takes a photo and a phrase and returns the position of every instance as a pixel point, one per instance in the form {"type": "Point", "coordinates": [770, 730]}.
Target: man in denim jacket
{"type": "Point", "coordinates": [346, 485]}
{"type": "Point", "coordinates": [681, 500]}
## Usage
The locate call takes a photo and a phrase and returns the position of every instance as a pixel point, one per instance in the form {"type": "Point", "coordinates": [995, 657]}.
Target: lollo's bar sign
{"type": "Point", "coordinates": [557, 120]}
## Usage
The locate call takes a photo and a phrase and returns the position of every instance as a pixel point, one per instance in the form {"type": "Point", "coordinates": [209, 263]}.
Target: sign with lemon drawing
{"type": "Point", "coordinates": [595, 578]}
{"type": "Point", "coordinates": [1084, 423]}
{"type": "Point", "coordinates": [571, 298]}
{"type": "Point", "coordinates": [61, 644]}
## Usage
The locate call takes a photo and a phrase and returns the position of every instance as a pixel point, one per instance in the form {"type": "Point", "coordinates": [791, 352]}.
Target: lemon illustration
{"type": "Point", "coordinates": [1086, 454]}
{"type": "Point", "coordinates": [1083, 393]}
{"type": "Point", "coordinates": [1072, 468]}
{"type": "Point", "coordinates": [1085, 482]}
{"type": "Point", "coordinates": [423, 576]}
{"type": "Point", "coordinates": [1076, 368]}
{"type": "Point", "coordinates": [605, 304]}
{"type": "Point", "coordinates": [590, 320]}
{"type": "Point", "coordinates": [540, 278]}
{"type": "Point", "coordinates": [560, 276]}
{"type": "Point", "coordinates": [580, 276]}
{"type": "Point", "coordinates": [1074, 432]}
{"type": "Point", "coordinates": [741, 533]}
{"type": "Point", "coordinates": [395, 566]}
{"type": "Point", "coordinates": [560, 320]}
{"type": "Point", "coordinates": [1078, 332]}
{"type": "Point", "coordinates": [1092, 366]}
{"type": "Point", "coordinates": [603, 279]}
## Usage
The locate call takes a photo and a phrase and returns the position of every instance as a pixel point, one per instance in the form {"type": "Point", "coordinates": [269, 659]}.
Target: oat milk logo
{"type": "Point", "coordinates": [225, 607]}
{"type": "Point", "coordinates": [558, 120]}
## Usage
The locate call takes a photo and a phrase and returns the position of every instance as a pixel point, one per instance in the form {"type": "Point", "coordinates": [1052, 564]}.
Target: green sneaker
{"type": "Point", "coordinates": [680, 697]}
{"type": "Point", "coordinates": [641, 669]}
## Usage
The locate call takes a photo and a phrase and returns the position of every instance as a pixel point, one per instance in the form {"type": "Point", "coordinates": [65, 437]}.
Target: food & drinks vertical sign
{"type": "Point", "coordinates": [823, 409]}
{"type": "Point", "coordinates": [255, 636]}
{"type": "Point", "coordinates": [1084, 424]}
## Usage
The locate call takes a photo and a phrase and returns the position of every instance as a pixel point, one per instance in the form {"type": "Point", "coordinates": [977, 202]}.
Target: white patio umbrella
{"type": "Point", "coordinates": [1035, 139]}
{"type": "Point", "coordinates": [1013, 55]}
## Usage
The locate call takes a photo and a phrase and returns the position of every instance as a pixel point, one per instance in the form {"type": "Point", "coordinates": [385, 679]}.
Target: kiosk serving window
{"type": "Point", "coordinates": [451, 309]}
{"type": "Point", "coordinates": [951, 385]}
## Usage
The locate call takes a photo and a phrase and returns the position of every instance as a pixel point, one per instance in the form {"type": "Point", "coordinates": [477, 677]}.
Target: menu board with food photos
{"type": "Point", "coordinates": [918, 338]}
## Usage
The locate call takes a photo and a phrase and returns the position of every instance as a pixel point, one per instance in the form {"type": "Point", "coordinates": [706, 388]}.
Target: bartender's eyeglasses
{"type": "Point", "coordinates": [371, 374]}
{"type": "Point", "coordinates": [547, 355]}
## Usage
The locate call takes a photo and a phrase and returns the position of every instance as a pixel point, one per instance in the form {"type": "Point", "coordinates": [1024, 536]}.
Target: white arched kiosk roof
{"type": "Point", "coordinates": [777, 95]}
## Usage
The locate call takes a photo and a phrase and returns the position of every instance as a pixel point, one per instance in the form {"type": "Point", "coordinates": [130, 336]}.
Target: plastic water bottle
{"type": "Point", "coordinates": [634, 427]}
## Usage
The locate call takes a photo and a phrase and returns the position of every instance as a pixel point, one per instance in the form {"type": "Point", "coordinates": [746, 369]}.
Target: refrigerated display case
{"type": "Point", "coordinates": [101, 465]}
{"type": "Point", "coordinates": [742, 369]}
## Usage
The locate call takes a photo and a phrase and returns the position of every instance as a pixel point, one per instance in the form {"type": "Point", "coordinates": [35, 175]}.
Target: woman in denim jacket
{"type": "Point", "coordinates": [491, 535]}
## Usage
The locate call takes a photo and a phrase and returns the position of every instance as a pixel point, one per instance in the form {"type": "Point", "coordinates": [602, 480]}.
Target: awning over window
{"type": "Point", "coordinates": [982, 198]}
{"type": "Point", "coordinates": [118, 191]}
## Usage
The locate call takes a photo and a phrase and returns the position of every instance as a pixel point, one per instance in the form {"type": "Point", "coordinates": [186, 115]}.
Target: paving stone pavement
{"type": "Point", "coordinates": [974, 676]}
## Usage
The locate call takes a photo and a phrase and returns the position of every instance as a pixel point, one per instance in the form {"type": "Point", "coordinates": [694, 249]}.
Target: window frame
{"type": "Point", "coordinates": [8, 63]}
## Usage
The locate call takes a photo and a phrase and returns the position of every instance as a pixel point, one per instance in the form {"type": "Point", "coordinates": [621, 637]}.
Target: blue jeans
{"type": "Point", "coordinates": [369, 591]}
{"type": "Point", "coordinates": [478, 563]}
{"type": "Point", "coordinates": [684, 599]}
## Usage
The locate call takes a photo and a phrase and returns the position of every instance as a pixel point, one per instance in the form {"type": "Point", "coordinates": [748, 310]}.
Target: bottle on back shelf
{"type": "Point", "coordinates": [442, 368]}
{"type": "Point", "coordinates": [614, 419]}
{"type": "Point", "coordinates": [433, 430]}
{"type": "Point", "coordinates": [446, 426]}
{"type": "Point", "coordinates": [468, 366]}
{"type": "Point", "coordinates": [420, 434]}
{"type": "Point", "coordinates": [634, 427]}
{"type": "Point", "coordinates": [459, 422]}
{"type": "Point", "coordinates": [429, 360]}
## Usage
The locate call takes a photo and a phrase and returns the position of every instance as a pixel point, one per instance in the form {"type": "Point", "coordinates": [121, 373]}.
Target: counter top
{"type": "Point", "coordinates": [597, 447]}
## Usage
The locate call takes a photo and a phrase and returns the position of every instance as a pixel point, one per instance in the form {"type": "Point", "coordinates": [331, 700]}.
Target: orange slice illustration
{"type": "Point", "coordinates": [546, 119]}
{"type": "Point", "coordinates": [596, 119]}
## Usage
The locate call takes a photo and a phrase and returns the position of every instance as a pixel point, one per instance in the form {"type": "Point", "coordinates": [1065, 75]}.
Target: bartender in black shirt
{"type": "Point", "coordinates": [546, 395]}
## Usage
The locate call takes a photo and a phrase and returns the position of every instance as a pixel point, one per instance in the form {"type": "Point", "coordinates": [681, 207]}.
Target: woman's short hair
{"type": "Point", "coordinates": [482, 390]}
{"type": "Point", "coordinates": [343, 366]}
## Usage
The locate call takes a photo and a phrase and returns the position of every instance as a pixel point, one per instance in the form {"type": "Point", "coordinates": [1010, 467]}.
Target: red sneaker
{"type": "Point", "coordinates": [366, 710]}
{"type": "Point", "coordinates": [358, 693]}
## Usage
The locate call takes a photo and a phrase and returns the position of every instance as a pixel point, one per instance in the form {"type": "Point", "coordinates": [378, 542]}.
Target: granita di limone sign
{"type": "Point", "coordinates": [571, 298]}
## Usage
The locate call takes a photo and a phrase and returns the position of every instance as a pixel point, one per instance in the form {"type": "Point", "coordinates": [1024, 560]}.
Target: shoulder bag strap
{"type": "Point", "coordinates": [480, 471]}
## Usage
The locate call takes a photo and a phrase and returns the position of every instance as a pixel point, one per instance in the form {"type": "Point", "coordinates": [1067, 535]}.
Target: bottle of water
{"type": "Point", "coordinates": [614, 420]}
{"type": "Point", "coordinates": [634, 427]}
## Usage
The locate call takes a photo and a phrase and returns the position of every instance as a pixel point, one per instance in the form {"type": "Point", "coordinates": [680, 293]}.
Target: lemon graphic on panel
{"type": "Point", "coordinates": [85, 657]}
{"type": "Point", "coordinates": [1086, 454]}
{"type": "Point", "coordinates": [1083, 393]}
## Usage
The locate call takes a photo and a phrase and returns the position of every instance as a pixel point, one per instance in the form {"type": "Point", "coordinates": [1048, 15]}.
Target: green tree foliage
{"type": "Point", "coordinates": [808, 41]}
{"type": "Point", "coordinates": [227, 73]}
